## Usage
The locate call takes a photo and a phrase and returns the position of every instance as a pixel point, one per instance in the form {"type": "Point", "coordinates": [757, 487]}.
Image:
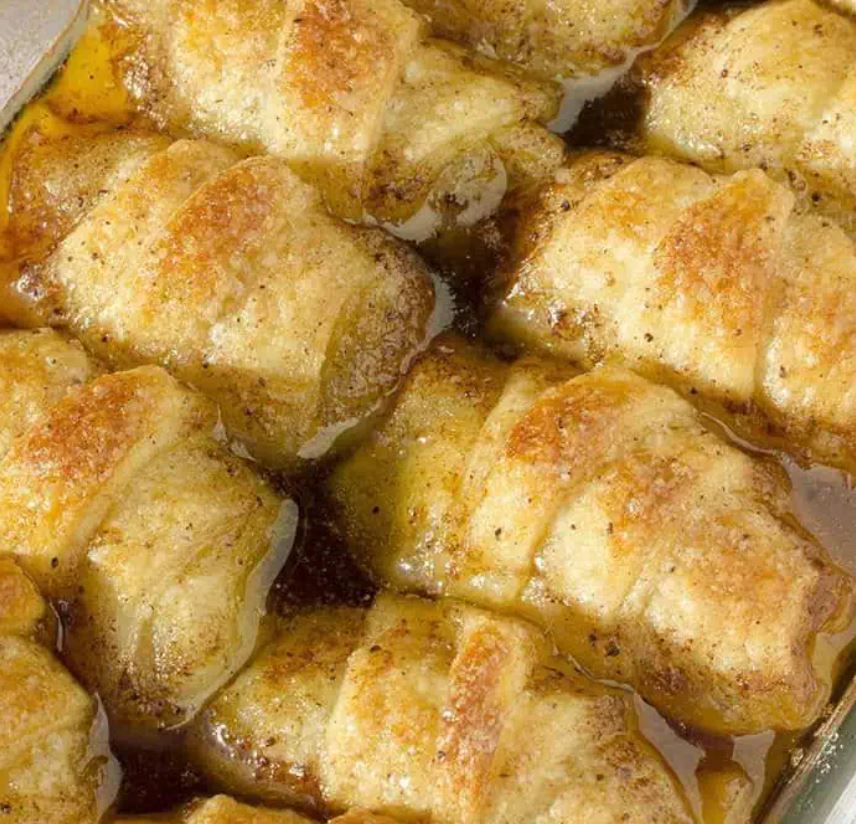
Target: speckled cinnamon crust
{"type": "Point", "coordinates": [600, 507]}
{"type": "Point", "coordinates": [354, 94]}
{"type": "Point", "coordinates": [228, 272]}
{"type": "Point", "coordinates": [118, 500]}
{"type": "Point", "coordinates": [38, 368]}
{"type": "Point", "coordinates": [770, 86]}
{"type": "Point", "coordinates": [436, 712]}
{"type": "Point", "coordinates": [713, 284]}
{"type": "Point", "coordinates": [564, 38]}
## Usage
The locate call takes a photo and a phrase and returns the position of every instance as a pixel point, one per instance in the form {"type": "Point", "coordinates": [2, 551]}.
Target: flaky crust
{"type": "Point", "coordinates": [51, 763]}
{"type": "Point", "coordinates": [566, 38]}
{"type": "Point", "coordinates": [118, 500]}
{"type": "Point", "coordinates": [715, 285]}
{"type": "Point", "coordinates": [601, 508]}
{"type": "Point", "coordinates": [351, 92]}
{"type": "Point", "coordinates": [230, 274]}
{"type": "Point", "coordinates": [771, 86]}
{"type": "Point", "coordinates": [38, 368]}
{"type": "Point", "coordinates": [435, 711]}
{"type": "Point", "coordinates": [221, 809]}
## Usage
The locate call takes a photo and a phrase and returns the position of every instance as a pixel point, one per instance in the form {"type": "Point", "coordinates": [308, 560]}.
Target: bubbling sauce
{"type": "Point", "coordinates": [85, 97]}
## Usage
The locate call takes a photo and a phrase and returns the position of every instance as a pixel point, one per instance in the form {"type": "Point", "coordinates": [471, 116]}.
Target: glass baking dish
{"type": "Point", "coordinates": [819, 784]}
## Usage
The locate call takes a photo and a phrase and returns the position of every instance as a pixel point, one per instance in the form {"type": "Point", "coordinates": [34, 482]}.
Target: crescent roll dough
{"type": "Point", "coordinates": [600, 507]}
{"type": "Point", "coordinates": [772, 85]}
{"type": "Point", "coordinates": [224, 810]}
{"type": "Point", "coordinates": [432, 711]}
{"type": "Point", "coordinates": [713, 284]}
{"type": "Point", "coordinates": [37, 368]}
{"type": "Point", "coordinates": [162, 545]}
{"type": "Point", "coordinates": [563, 38]}
{"type": "Point", "coordinates": [227, 272]}
{"type": "Point", "coordinates": [52, 759]}
{"type": "Point", "coordinates": [351, 92]}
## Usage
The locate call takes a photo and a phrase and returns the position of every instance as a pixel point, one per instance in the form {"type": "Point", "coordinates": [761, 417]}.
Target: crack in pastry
{"type": "Point", "coordinates": [53, 763]}
{"type": "Point", "coordinates": [388, 122]}
{"type": "Point", "coordinates": [431, 711]}
{"type": "Point", "coordinates": [770, 86]}
{"type": "Point", "coordinates": [228, 272]}
{"type": "Point", "coordinates": [600, 507]}
{"type": "Point", "coordinates": [714, 285]}
{"type": "Point", "coordinates": [158, 543]}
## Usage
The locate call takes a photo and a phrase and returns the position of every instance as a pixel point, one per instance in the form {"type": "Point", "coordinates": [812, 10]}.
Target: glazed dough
{"type": "Point", "coordinates": [600, 507]}
{"type": "Point", "coordinates": [118, 500]}
{"type": "Point", "coordinates": [438, 711]}
{"type": "Point", "coordinates": [227, 272]}
{"type": "Point", "coordinates": [351, 92]}
{"type": "Point", "coordinates": [564, 38]}
{"type": "Point", "coordinates": [36, 370]}
{"type": "Point", "coordinates": [713, 284]}
{"type": "Point", "coordinates": [771, 86]}
{"type": "Point", "coordinates": [224, 810]}
{"type": "Point", "coordinates": [51, 760]}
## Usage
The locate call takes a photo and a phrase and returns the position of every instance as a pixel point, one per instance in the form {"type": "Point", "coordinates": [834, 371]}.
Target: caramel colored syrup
{"type": "Point", "coordinates": [86, 97]}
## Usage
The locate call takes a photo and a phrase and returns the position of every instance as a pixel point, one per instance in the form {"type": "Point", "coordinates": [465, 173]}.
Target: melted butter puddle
{"type": "Point", "coordinates": [84, 97]}
{"type": "Point", "coordinates": [578, 90]}
{"type": "Point", "coordinates": [823, 501]}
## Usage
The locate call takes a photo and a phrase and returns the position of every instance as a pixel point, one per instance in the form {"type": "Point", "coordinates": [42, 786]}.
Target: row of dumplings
{"type": "Point", "coordinates": [596, 510]}
{"type": "Point", "coordinates": [729, 283]}
{"type": "Point", "coordinates": [122, 504]}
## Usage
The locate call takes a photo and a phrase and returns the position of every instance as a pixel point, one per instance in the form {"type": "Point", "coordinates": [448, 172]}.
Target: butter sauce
{"type": "Point", "coordinates": [86, 98]}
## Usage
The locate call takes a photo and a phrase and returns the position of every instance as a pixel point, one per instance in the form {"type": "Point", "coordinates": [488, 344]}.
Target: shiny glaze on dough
{"type": "Point", "coordinates": [602, 508]}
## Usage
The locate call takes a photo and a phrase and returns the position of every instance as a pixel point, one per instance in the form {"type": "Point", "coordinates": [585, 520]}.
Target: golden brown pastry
{"type": "Point", "coordinates": [564, 38]}
{"type": "Point", "coordinates": [222, 809]}
{"type": "Point", "coordinates": [162, 544]}
{"type": "Point", "coordinates": [431, 711]}
{"type": "Point", "coordinates": [229, 273]}
{"type": "Point", "coordinates": [37, 368]}
{"type": "Point", "coordinates": [351, 92]}
{"type": "Point", "coordinates": [362, 817]}
{"type": "Point", "coordinates": [713, 284]}
{"type": "Point", "coordinates": [772, 85]}
{"type": "Point", "coordinates": [53, 756]}
{"type": "Point", "coordinates": [600, 507]}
